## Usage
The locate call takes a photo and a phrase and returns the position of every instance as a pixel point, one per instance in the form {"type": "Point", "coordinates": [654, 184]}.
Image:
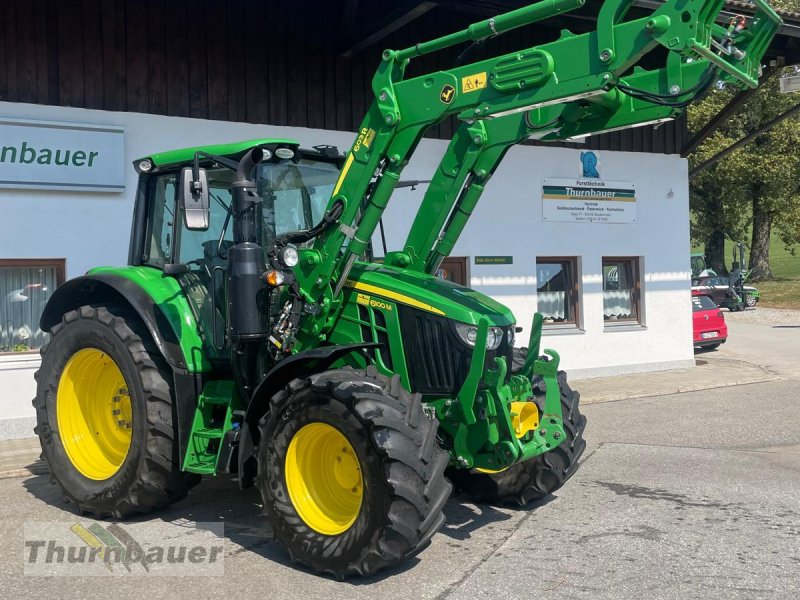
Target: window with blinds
{"type": "Point", "coordinates": [557, 292]}
{"type": "Point", "coordinates": [25, 287]}
{"type": "Point", "coordinates": [621, 290]}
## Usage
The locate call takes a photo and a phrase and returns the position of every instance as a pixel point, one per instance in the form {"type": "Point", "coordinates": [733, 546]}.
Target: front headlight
{"type": "Point", "coordinates": [469, 333]}
{"type": "Point", "coordinates": [289, 256]}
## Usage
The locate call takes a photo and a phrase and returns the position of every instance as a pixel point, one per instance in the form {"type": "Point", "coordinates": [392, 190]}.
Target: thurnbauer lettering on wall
{"type": "Point", "coordinates": [28, 155]}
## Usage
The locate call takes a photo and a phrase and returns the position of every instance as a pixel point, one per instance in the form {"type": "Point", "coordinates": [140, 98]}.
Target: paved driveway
{"type": "Point", "coordinates": [767, 337]}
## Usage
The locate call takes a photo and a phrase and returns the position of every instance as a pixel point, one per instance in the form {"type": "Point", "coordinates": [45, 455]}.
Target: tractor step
{"type": "Point", "coordinates": [212, 419]}
{"type": "Point", "coordinates": [211, 434]}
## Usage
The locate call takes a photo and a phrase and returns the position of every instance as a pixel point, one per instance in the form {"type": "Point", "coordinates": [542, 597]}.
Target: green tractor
{"type": "Point", "coordinates": [250, 333]}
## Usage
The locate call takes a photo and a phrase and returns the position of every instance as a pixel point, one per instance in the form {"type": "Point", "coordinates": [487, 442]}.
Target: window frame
{"type": "Point", "coordinates": [60, 266]}
{"type": "Point", "coordinates": [573, 293]}
{"type": "Point", "coordinates": [635, 263]}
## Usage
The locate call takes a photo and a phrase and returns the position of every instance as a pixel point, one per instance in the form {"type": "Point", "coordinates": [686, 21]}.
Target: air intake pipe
{"type": "Point", "coordinates": [246, 262]}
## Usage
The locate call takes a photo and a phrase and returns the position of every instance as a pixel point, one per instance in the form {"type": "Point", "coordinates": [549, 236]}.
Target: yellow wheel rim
{"type": "Point", "coordinates": [93, 410]}
{"type": "Point", "coordinates": [323, 477]}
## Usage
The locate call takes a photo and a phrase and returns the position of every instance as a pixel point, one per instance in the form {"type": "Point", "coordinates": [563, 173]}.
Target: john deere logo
{"type": "Point", "coordinates": [447, 93]}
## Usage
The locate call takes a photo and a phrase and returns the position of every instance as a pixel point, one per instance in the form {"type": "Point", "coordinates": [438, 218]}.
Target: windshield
{"type": "Point", "coordinates": [295, 194]}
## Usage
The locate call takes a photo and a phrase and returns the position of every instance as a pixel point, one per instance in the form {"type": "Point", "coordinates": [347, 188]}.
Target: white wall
{"type": "Point", "coordinates": [92, 229]}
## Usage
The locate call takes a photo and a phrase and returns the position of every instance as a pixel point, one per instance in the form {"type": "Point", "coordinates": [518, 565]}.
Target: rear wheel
{"type": "Point", "coordinates": [542, 475]}
{"type": "Point", "coordinates": [350, 472]}
{"type": "Point", "coordinates": [104, 416]}
{"type": "Point", "coordinates": [750, 300]}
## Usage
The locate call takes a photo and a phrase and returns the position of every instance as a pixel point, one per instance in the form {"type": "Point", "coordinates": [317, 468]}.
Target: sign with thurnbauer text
{"type": "Point", "coordinates": [588, 201]}
{"type": "Point", "coordinates": [61, 156]}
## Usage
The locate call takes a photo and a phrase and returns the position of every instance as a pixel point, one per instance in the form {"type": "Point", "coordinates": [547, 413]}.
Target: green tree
{"type": "Point", "coordinates": [754, 187]}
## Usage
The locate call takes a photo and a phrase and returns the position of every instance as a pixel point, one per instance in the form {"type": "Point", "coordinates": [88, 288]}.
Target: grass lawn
{"type": "Point", "coordinates": [781, 293]}
{"type": "Point", "coordinates": [784, 291]}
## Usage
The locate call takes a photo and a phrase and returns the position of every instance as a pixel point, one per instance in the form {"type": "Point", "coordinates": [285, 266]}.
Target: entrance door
{"type": "Point", "coordinates": [454, 268]}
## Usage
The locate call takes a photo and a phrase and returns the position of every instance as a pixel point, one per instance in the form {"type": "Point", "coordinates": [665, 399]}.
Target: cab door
{"type": "Point", "coordinates": [203, 254]}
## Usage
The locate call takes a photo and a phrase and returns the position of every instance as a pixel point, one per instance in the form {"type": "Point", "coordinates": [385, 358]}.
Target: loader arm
{"type": "Point", "coordinates": [477, 149]}
{"type": "Point", "coordinates": [588, 79]}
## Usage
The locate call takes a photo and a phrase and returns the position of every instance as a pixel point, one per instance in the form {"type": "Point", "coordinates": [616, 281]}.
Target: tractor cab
{"type": "Point", "coordinates": [293, 186]}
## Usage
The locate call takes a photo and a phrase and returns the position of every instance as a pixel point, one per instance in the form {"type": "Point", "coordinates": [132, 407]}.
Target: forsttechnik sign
{"type": "Point", "coordinates": [61, 156]}
{"type": "Point", "coordinates": [588, 199]}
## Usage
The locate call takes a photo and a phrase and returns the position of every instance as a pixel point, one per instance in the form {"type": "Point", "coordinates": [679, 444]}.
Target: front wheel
{"type": "Point", "coordinates": [542, 475]}
{"type": "Point", "coordinates": [350, 472]}
{"type": "Point", "coordinates": [750, 300]}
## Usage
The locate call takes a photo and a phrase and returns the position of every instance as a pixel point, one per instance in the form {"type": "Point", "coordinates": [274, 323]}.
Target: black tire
{"type": "Point", "coordinates": [750, 300]}
{"type": "Point", "coordinates": [542, 475]}
{"type": "Point", "coordinates": [402, 466]}
{"type": "Point", "coordinates": [149, 478]}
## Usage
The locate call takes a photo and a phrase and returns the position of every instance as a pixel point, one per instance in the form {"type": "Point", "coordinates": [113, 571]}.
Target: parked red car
{"type": "Point", "coordinates": [710, 329]}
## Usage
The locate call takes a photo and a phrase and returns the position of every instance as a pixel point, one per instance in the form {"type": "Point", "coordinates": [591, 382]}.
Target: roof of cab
{"type": "Point", "coordinates": [184, 155]}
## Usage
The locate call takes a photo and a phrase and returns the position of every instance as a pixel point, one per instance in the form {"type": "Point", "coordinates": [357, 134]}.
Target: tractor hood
{"type": "Point", "coordinates": [428, 293]}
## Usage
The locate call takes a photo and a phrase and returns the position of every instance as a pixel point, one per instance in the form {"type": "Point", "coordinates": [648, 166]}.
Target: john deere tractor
{"type": "Point", "coordinates": [251, 334]}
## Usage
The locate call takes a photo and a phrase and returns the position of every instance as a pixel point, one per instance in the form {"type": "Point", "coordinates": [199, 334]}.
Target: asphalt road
{"type": "Point", "coordinates": [765, 336]}
{"type": "Point", "coordinates": [693, 495]}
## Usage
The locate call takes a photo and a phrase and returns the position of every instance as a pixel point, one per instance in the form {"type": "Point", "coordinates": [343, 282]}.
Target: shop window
{"type": "Point", "coordinates": [25, 287]}
{"type": "Point", "coordinates": [621, 291]}
{"type": "Point", "coordinates": [557, 293]}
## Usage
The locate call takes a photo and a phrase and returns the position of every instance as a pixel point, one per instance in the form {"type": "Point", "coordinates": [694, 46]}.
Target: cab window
{"type": "Point", "coordinates": [202, 245]}
{"type": "Point", "coordinates": [160, 220]}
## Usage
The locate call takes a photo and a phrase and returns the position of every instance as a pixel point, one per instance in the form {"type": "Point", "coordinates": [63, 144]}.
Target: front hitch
{"type": "Point", "coordinates": [491, 422]}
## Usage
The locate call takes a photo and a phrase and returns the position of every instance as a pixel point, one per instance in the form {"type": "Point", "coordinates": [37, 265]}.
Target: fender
{"type": "Point", "coordinates": [104, 288]}
{"type": "Point", "coordinates": [301, 364]}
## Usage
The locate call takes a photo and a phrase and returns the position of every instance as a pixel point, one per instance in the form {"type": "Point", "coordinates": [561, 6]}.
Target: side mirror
{"type": "Point", "coordinates": [193, 199]}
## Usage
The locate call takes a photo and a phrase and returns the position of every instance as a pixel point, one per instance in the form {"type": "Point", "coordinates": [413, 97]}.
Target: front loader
{"type": "Point", "coordinates": [249, 335]}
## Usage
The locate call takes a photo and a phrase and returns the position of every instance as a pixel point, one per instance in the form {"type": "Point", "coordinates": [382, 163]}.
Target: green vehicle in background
{"type": "Point", "coordinates": [727, 291]}
{"type": "Point", "coordinates": [250, 333]}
